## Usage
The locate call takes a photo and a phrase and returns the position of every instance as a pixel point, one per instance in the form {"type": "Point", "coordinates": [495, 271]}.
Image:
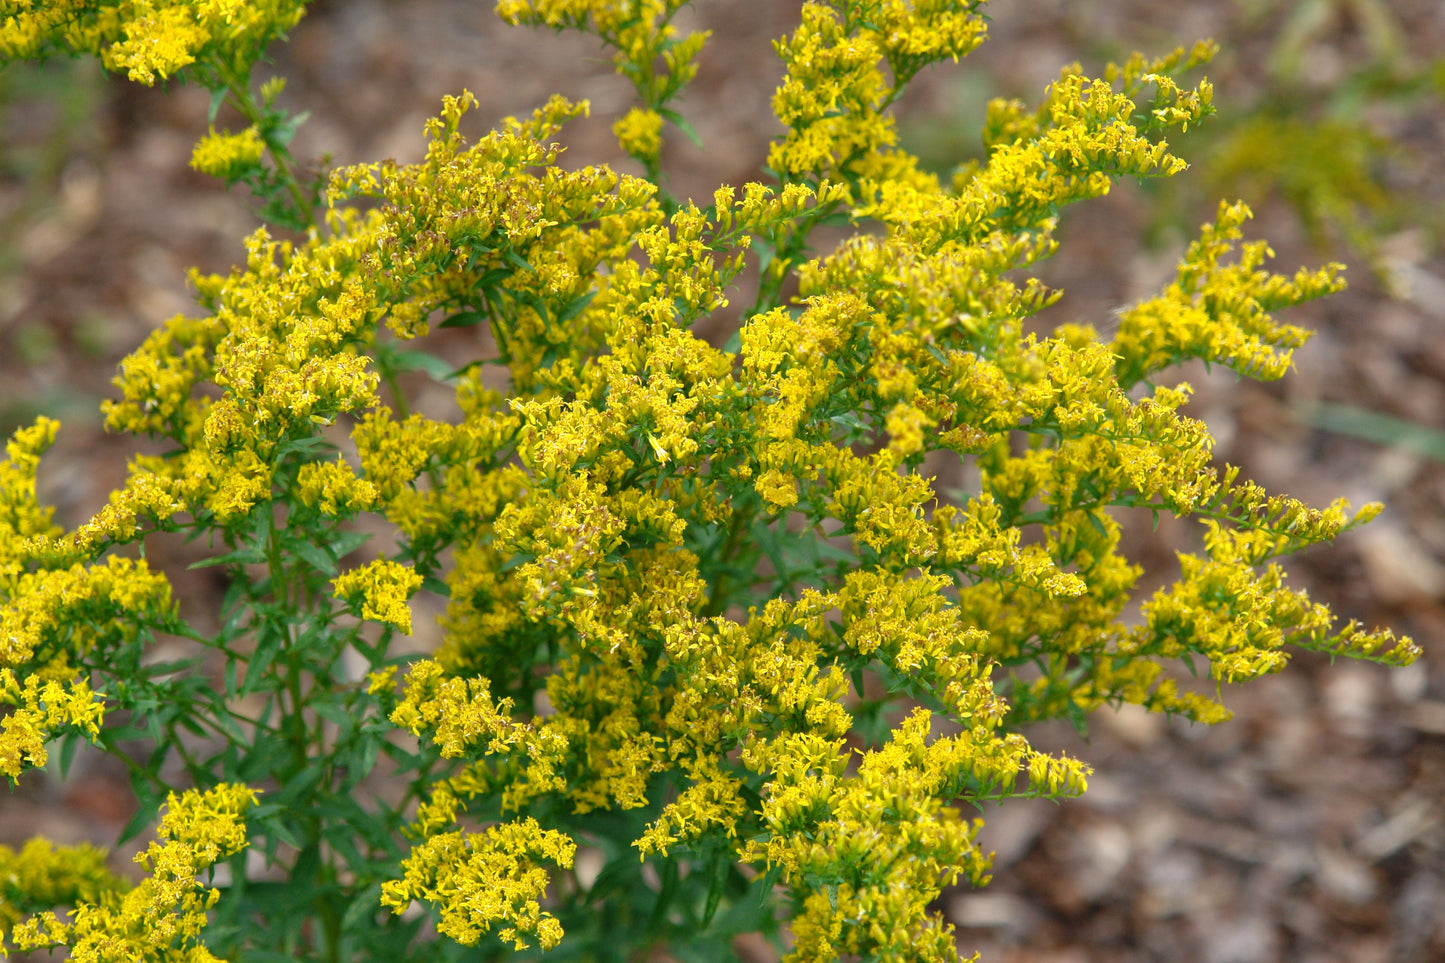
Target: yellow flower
{"type": "Point", "coordinates": [22, 517]}
{"type": "Point", "coordinates": [334, 488]}
{"type": "Point", "coordinates": [148, 40]}
{"type": "Point", "coordinates": [41, 708]}
{"type": "Point", "coordinates": [228, 156]}
{"type": "Point", "coordinates": [167, 909]}
{"type": "Point", "coordinates": [480, 880]}
{"type": "Point", "coordinates": [639, 133]}
{"type": "Point", "coordinates": [381, 590]}
{"type": "Point", "coordinates": [43, 874]}
{"type": "Point", "coordinates": [777, 489]}
{"type": "Point", "coordinates": [906, 425]}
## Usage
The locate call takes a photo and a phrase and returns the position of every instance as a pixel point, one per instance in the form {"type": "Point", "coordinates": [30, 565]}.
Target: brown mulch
{"type": "Point", "coordinates": [1309, 828]}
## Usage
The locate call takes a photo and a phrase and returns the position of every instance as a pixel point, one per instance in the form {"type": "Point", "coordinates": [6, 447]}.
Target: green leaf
{"type": "Point", "coordinates": [69, 743]}
{"type": "Point", "coordinates": [148, 804]}
{"type": "Point", "coordinates": [218, 97]}
{"type": "Point", "coordinates": [365, 905]}
{"type": "Point", "coordinates": [282, 213]}
{"type": "Point", "coordinates": [359, 755]}
{"type": "Point", "coordinates": [766, 250]}
{"type": "Point", "coordinates": [333, 713]}
{"type": "Point", "coordinates": [669, 875]}
{"type": "Point", "coordinates": [228, 724]}
{"type": "Point", "coordinates": [267, 647]}
{"type": "Point", "coordinates": [306, 445]}
{"type": "Point", "coordinates": [770, 540]}
{"type": "Point", "coordinates": [269, 754]}
{"type": "Point", "coordinates": [487, 283]}
{"type": "Point", "coordinates": [170, 666]}
{"type": "Point", "coordinates": [680, 122]}
{"type": "Point", "coordinates": [716, 883]}
{"type": "Point", "coordinates": [344, 543]}
{"type": "Point", "coordinates": [476, 250]}
{"type": "Point", "coordinates": [191, 724]}
{"type": "Point", "coordinates": [286, 129]}
{"type": "Point", "coordinates": [767, 881]}
{"type": "Point", "coordinates": [299, 786]}
{"type": "Point", "coordinates": [407, 359]}
{"type": "Point", "coordinates": [434, 585]}
{"type": "Point", "coordinates": [575, 307]}
{"type": "Point", "coordinates": [246, 555]}
{"type": "Point", "coordinates": [618, 873]}
{"type": "Point", "coordinates": [464, 319]}
{"type": "Point", "coordinates": [314, 555]}
{"type": "Point", "coordinates": [340, 833]}
{"type": "Point", "coordinates": [516, 260]}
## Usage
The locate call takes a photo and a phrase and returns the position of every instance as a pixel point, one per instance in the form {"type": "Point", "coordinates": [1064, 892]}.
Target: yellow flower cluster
{"type": "Point", "coordinates": [43, 875]}
{"type": "Point", "coordinates": [334, 488]}
{"type": "Point", "coordinates": [162, 917]}
{"type": "Point", "coordinates": [381, 590]}
{"type": "Point", "coordinates": [54, 606]}
{"type": "Point", "coordinates": [882, 839]}
{"type": "Point", "coordinates": [1220, 312]}
{"type": "Point", "coordinates": [647, 51]}
{"type": "Point", "coordinates": [639, 132]}
{"type": "Point", "coordinates": [286, 362]}
{"type": "Point", "coordinates": [480, 878]}
{"type": "Point", "coordinates": [52, 611]}
{"type": "Point", "coordinates": [226, 155]}
{"type": "Point", "coordinates": [40, 708]}
{"type": "Point", "coordinates": [25, 524]}
{"type": "Point", "coordinates": [148, 40]}
{"type": "Point", "coordinates": [834, 98]}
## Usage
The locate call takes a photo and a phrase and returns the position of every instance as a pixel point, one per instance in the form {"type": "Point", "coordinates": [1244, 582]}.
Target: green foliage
{"type": "Point", "coordinates": [1326, 147]}
{"type": "Point", "coordinates": [719, 657]}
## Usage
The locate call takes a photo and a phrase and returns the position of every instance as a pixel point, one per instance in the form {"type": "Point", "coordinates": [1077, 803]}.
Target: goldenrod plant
{"type": "Point", "coordinates": [719, 654]}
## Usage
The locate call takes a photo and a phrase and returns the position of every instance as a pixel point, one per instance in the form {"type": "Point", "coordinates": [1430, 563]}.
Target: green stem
{"type": "Point", "coordinates": [398, 398]}
{"type": "Point", "coordinates": [300, 736]}
{"type": "Point", "coordinates": [717, 598]}
{"type": "Point", "coordinates": [770, 286]}
{"type": "Point", "coordinates": [240, 94]}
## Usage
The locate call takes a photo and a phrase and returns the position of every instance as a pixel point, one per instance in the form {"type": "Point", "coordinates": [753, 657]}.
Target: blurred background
{"type": "Point", "coordinates": [1312, 826]}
